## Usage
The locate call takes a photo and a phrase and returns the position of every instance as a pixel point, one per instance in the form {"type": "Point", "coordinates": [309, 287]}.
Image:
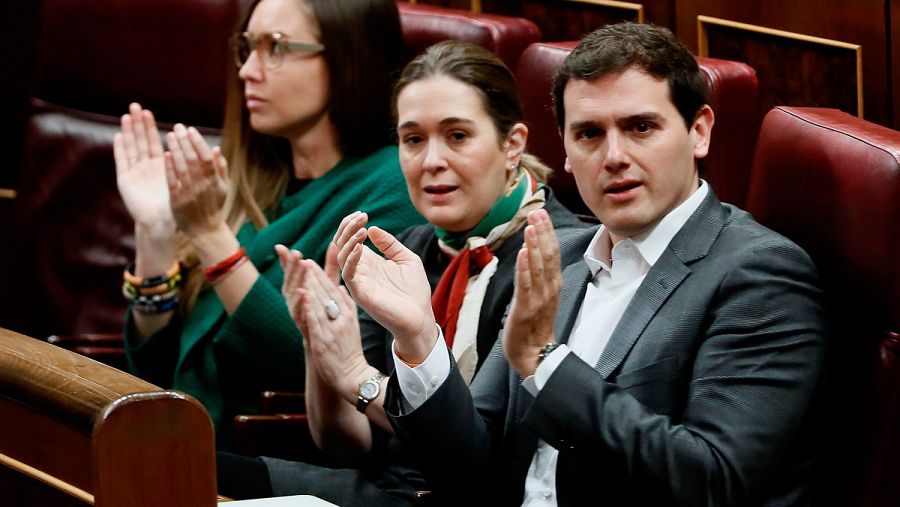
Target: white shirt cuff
{"type": "Point", "coordinates": [419, 383]}
{"type": "Point", "coordinates": [534, 383]}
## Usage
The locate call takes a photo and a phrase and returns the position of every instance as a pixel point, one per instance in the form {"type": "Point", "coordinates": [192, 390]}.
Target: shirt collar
{"type": "Point", "coordinates": [650, 244]}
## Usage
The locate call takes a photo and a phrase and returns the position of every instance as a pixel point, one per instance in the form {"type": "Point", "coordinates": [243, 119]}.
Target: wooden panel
{"type": "Point", "coordinates": [794, 73]}
{"type": "Point", "coordinates": [813, 60]}
{"type": "Point", "coordinates": [568, 19]}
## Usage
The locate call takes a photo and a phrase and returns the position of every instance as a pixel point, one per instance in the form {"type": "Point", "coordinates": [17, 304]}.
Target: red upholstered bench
{"type": "Point", "coordinates": [506, 36]}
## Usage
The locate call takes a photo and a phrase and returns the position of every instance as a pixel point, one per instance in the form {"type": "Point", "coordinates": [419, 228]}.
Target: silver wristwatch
{"type": "Point", "coordinates": [368, 391]}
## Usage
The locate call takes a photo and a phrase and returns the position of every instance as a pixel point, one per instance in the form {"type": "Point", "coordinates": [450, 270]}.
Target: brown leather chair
{"type": "Point", "coordinates": [831, 183]}
{"type": "Point", "coordinates": [70, 235]}
{"type": "Point", "coordinates": [506, 36]}
{"type": "Point", "coordinates": [734, 99]}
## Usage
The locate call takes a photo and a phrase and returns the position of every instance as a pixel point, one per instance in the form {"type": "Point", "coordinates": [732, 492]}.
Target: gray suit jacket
{"type": "Point", "coordinates": [704, 394]}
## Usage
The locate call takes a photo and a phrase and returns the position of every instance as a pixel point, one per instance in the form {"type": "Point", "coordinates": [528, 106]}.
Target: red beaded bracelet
{"type": "Point", "coordinates": [226, 266]}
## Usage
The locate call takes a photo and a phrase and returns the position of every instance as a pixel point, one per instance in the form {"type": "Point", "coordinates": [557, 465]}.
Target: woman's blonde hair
{"type": "Point", "coordinates": [491, 78]}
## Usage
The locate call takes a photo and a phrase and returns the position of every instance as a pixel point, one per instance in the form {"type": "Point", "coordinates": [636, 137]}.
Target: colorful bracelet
{"type": "Point", "coordinates": [219, 270]}
{"type": "Point", "coordinates": [131, 291]}
{"type": "Point", "coordinates": [137, 281]}
{"type": "Point", "coordinates": [160, 307]}
{"type": "Point", "coordinates": [157, 294]}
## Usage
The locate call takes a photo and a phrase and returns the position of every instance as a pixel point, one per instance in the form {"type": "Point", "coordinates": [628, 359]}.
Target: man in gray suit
{"type": "Point", "coordinates": [676, 364]}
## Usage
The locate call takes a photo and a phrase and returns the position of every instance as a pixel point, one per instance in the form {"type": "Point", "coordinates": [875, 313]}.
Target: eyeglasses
{"type": "Point", "coordinates": [274, 46]}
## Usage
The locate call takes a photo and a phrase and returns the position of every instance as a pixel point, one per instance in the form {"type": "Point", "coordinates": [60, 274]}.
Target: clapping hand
{"type": "Point", "coordinates": [140, 170]}
{"type": "Point", "coordinates": [197, 180]}
{"type": "Point", "coordinates": [529, 326]}
{"type": "Point", "coordinates": [393, 290]}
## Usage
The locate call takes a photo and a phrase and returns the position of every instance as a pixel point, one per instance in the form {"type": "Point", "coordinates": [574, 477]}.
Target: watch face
{"type": "Point", "coordinates": [368, 390]}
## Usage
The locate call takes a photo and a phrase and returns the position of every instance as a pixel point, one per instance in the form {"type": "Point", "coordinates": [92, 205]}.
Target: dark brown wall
{"type": "Point", "coordinates": [803, 74]}
{"type": "Point", "coordinates": [791, 72]}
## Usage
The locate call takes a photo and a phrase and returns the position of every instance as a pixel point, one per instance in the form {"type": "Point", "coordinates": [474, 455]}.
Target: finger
{"type": "Point", "coordinates": [179, 164]}
{"type": "Point", "coordinates": [128, 138]}
{"type": "Point", "coordinates": [348, 269]}
{"type": "Point", "coordinates": [343, 225]}
{"type": "Point", "coordinates": [140, 130]}
{"type": "Point", "coordinates": [122, 162]}
{"type": "Point", "coordinates": [295, 270]}
{"type": "Point", "coordinates": [523, 276]}
{"type": "Point", "coordinates": [191, 159]}
{"type": "Point", "coordinates": [353, 243]}
{"type": "Point", "coordinates": [549, 250]}
{"type": "Point", "coordinates": [318, 282]}
{"type": "Point", "coordinates": [221, 163]}
{"type": "Point", "coordinates": [284, 261]}
{"type": "Point", "coordinates": [535, 260]}
{"type": "Point", "coordinates": [203, 153]}
{"type": "Point", "coordinates": [389, 245]}
{"type": "Point", "coordinates": [281, 251]}
{"type": "Point", "coordinates": [314, 317]}
{"type": "Point", "coordinates": [332, 268]}
{"type": "Point", "coordinates": [153, 140]}
{"type": "Point", "coordinates": [171, 174]}
{"type": "Point", "coordinates": [349, 230]}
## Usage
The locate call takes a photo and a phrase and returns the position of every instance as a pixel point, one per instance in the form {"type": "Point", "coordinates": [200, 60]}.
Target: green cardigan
{"type": "Point", "coordinates": [226, 361]}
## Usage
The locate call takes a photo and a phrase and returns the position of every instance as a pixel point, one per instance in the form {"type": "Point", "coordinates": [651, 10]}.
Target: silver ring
{"type": "Point", "coordinates": [332, 310]}
{"type": "Point", "coordinates": [135, 161]}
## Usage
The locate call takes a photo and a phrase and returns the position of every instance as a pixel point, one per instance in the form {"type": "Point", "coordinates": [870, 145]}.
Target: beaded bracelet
{"type": "Point", "coordinates": [157, 294]}
{"type": "Point", "coordinates": [131, 290]}
{"type": "Point", "coordinates": [137, 281]}
{"type": "Point", "coordinates": [217, 271]}
{"type": "Point", "coordinates": [161, 307]}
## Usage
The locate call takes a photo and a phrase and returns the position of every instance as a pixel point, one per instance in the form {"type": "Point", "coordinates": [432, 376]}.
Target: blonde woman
{"type": "Point", "coordinates": [305, 142]}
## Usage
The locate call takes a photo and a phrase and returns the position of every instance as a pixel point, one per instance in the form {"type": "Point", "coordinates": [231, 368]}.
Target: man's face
{"type": "Point", "coordinates": [631, 154]}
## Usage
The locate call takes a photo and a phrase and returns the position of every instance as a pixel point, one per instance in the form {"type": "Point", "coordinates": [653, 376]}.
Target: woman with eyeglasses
{"type": "Point", "coordinates": [462, 150]}
{"type": "Point", "coordinates": [305, 142]}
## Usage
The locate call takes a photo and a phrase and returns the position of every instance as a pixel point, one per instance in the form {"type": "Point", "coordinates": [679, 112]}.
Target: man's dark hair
{"type": "Point", "coordinates": [653, 49]}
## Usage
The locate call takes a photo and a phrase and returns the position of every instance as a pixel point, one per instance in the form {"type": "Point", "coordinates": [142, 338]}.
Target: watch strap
{"type": "Point", "coordinates": [546, 351]}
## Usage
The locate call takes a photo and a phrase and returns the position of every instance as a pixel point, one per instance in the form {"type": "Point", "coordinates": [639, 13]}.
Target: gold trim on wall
{"type": "Point", "coordinates": [638, 8]}
{"type": "Point", "coordinates": [703, 45]}
{"type": "Point", "coordinates": [48, 479]}
{"type": "Point", "coordinates": [7, 193]}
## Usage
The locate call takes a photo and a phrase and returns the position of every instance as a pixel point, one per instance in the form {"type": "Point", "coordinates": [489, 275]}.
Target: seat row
{"type": "Point", "coordinates": [827, 180]}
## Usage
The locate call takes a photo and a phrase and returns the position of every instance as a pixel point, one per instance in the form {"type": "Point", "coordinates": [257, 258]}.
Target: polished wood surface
{"type": "Point", "coordinates": [72, 426]}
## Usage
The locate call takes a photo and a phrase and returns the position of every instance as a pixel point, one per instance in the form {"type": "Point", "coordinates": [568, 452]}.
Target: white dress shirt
{"type": "Point", "coordinates": [617, 273]}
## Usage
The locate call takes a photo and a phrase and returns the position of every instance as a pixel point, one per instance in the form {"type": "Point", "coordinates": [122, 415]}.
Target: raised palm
{"type": "Point", "coordinates": [393, 290]}
{"type": "Point", "coordinates": [140, 168]}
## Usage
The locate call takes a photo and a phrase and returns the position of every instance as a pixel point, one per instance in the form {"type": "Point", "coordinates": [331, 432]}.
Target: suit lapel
{"type": "Point", "coordinates": [691, 243]}
{"type": "Point", "coordinates": [659, 283]}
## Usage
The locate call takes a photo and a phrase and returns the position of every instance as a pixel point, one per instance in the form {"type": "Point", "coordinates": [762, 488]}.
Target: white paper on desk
{"type": "Point", "coordinates": [281, 501]}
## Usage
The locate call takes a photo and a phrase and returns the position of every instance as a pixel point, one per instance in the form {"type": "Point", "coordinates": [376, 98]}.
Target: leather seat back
{"type": "Point", "coordinates": [831, 182]}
